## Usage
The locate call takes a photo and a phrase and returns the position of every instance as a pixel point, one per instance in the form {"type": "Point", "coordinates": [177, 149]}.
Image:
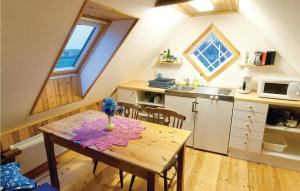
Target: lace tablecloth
{"type": "Point", "coordinates": [94, 133]}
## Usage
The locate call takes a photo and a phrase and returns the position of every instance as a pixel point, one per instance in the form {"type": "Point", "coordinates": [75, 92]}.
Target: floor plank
{"type": "Point", "coordinates": [203, 171]}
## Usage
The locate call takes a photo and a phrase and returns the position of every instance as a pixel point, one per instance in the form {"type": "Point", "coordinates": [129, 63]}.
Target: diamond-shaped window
{"type": "Point", "coordinates": [211, 53]}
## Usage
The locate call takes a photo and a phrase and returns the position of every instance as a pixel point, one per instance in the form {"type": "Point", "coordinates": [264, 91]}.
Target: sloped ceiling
{"type": "Point", "coordinates": [34, 31]}
{"type": "Point", "coordinates": [279, 21]}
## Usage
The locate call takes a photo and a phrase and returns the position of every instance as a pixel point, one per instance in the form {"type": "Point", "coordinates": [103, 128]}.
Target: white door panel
{"type": "Point", "coordinates": [182, 105]}
{"type": "Point", "coordinates": [212, 127]}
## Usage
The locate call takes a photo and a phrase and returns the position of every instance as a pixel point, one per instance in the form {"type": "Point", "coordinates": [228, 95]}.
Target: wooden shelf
{"type": "Point", "coordinates": [292, 152]}
{"type": "Point", "coordinates": [284, 128]}
{"type": "Point", "coordinates": [170, 63]}
{"type": "Point", "coordinates": [151, 104]}
{"type": "Point", "coordinates": [256, 66]}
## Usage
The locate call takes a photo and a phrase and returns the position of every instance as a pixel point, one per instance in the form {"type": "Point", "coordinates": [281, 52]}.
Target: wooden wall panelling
{"type": "Point", "coordinates": [59, 91]}
{"type": "Point", "coordinates": [26, 131]}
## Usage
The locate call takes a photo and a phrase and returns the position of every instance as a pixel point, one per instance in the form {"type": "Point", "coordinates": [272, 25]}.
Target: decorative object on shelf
{"type": "Point", "coordinates": [260, 58]}
{"type": "Point", "coordinates": [246, 80]}
{"type": "Point", "coordinates": [211, 53]}
{"type": "Point", "coordinates": [94, 133]}
{"type": "Point", "coordinates": [167, 58]}
{"type": "Point", "coordinates": [110, 108]}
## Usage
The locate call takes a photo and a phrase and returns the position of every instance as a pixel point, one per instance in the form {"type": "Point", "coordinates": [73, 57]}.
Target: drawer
{"type": "Point", "coordinates": [128, 96]}
{"type": "Point", "coordinates": [251, 106]}
{"type": "Point", "coordinates": [249, 116]}
{"type": "Point", "coordinates": [249, 145]}
{"type": "Point", "coordinates": [247, 124]}
{"type": "Point", "coordinates": [246, 133]}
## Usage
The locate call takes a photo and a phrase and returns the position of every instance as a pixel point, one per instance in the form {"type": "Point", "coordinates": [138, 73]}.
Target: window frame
{"type": "Point", "coordinates": [101, 26]}
{"type": "Point", "coordinates": [189, 53]}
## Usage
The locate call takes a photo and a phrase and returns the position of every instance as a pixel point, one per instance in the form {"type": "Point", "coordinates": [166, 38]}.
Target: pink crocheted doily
{"type": "Point", "coordinates": [95, 133]}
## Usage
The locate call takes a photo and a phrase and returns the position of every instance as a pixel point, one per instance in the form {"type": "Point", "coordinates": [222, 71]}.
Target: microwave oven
{"type": "Point", "coordinates": [279, 88]}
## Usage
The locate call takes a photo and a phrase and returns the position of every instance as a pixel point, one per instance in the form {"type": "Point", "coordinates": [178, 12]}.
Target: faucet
{"type": "Point", "coordinates": [187, 81]}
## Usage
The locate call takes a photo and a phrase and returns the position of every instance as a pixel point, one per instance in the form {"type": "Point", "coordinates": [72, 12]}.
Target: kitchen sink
{"type": "Point", "coordinates": [182, 88]}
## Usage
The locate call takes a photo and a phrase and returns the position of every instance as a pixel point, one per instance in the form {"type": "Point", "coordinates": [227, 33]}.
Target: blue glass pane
{"type": "Point", "coordinates": [220, 45]}
{"type": "Point", "coordinates": [75, 46]}
{"type": "Point", "coordinates": [228, 54]}
{"type": "Point", "coordinates": [203, 61]}
{"type": "Point", "coordinates": [216, 64]}
{"type": "Point", "coordinates": [207, 42]}
{"type": "Point", "coordinates": [210, 69]}
{"type": "Point", "coordinates": [196, 53]}
{"type": "Point", "coordinates": [211, 53]}
{"type": "Point", "coordinates": [222, 59]}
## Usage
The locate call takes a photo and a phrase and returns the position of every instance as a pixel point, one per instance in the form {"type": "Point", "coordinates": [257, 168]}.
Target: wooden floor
{"type": "Point", "coordinates": [203, 171]}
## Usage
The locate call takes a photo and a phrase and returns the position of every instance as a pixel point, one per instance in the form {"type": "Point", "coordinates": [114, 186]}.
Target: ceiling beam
{"type": "Point", "coordinates": [169, 2]}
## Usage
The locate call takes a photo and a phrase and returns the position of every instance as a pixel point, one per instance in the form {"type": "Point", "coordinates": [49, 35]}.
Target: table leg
{"type": "Point", "coordinates": [150, 181]}
{"type": "Point", "coordinates": [180, 171]}
{"type": "Point", "coordinates": [51, 160]}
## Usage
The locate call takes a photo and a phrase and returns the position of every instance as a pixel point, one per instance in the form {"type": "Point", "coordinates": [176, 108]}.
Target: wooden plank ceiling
{"type": "Point", "coordinates": [220, 7]}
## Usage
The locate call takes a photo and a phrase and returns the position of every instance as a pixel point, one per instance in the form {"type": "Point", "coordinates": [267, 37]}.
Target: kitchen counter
{"type": "Point", "coordinates": [253, 97]}
{"type": "Point", "coordinates": [141, 85]}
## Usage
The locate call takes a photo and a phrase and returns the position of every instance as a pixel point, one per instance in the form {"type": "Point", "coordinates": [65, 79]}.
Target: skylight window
{"type": "Point", "coordinates": [81, 39]}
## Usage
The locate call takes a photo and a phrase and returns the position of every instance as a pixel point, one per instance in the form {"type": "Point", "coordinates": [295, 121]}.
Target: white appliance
{"type": "Point", "coordinates": [246, 80]}
{"type": "Point", "coordinates": [208, 112]}
{"type": "Point", "coordinates": [279, 88]}
{"type": "Point", "coordinates": [212, 124]}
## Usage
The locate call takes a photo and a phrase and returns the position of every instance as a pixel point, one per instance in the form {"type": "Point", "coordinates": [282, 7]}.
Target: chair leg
{"type": "Point", "coordinates": [165, 181]}
{"type": "Point", "coordinates": [95, 166]}
{"type": "Point", "coordinates": [131, 182]}
{"type": "Point", "coordinates": [121, 177]}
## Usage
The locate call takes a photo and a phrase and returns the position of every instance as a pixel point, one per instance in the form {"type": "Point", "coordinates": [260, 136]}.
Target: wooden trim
{"type": "Point", "coordinates": [113, 10]}
{"type": "Point", "coordinates": [28, 130]}
{"type": "Point", "coordinates": [169, 2]}
{"type": "Point", "coordinates": [120, 44]}
{"type": "Point", "coordinates": [212, 28]}
{"type": "Point", "coordinates": [97, 39]}
{"type": "Point", "coordinates": [57, 58]}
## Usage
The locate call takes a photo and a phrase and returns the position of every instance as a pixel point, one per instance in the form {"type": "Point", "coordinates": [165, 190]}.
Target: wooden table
{"type": "Point", "coordinates": [146, 157]}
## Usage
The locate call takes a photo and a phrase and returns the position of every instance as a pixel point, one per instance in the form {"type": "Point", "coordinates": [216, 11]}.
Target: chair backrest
{"type": "Point", "coordinates": [130, 110]}
{"type": "Point", "coordinates": [165, 117]}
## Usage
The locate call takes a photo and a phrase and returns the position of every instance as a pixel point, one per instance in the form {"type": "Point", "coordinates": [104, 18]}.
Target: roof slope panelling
{"type": "Point", "coordinates": [32, 34]}
{"type": "Point", "coordinates": [279, 22]}
{"type": "Point", "coordinates": [38, 45]}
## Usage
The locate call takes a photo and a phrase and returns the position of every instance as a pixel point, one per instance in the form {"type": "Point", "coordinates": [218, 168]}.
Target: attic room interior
{"type": "Point", "coordinates": [150, 95]}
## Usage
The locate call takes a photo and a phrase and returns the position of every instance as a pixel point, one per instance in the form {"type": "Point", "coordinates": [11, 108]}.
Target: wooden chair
{"type": "Point", "coordinates": [130, 111]}
{"type": "Point", "coordinates": [169, 118]}
{"type": "Point", "coordinates": [9, 155]}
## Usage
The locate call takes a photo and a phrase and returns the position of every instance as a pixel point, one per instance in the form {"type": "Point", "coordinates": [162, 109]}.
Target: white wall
{"type": "Point", "coordinates": [34, 31]}
{"type": "Point", "coordinates": [103, 52]}
{"type": "Point", "coordinates": [238, 30]}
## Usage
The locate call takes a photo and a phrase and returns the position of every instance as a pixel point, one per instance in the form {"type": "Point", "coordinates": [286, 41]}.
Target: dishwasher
{"type": "Point", "coordinates": [213, 109]}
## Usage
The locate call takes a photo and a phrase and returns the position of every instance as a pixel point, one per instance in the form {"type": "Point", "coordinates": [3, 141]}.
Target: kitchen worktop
{"type": "Point", "coordinates": [141, 85]}
{"type": "Point", "coordinates": [252, 97]}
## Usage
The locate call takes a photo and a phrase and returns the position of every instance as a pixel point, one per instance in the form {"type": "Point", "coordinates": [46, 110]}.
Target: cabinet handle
{"type": "Point", "coordinates": [250, 107]}
{"type": "Point", "coordinates": [194, 105]}
{"type": "Point", "coordinates": [249, 116]}
{"type": "Point", "coordinates": [245, 142]}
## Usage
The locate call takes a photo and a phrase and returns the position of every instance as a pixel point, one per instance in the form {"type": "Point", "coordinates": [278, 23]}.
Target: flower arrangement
{"type": "Point", "coordinates": [110, 108]}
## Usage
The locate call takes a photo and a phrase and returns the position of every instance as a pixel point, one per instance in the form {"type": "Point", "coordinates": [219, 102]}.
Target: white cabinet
{"type": "Point", "coordinates": [212, 125]}
{"type": "Point", "coordinates": [247, 127]}
{"type": "Point", "coordinates": [127, 95]}
{"type": "Point", "coordinates": [183, 105]}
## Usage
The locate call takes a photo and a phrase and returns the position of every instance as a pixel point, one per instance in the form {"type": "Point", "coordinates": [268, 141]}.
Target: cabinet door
{"type": "Point", "coordinates": [212, 127]}
{"type": "Point", "coordinates": [182, 105]}
{"type": "Point", "coordinates": [126, 95]}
